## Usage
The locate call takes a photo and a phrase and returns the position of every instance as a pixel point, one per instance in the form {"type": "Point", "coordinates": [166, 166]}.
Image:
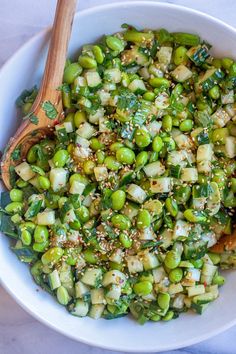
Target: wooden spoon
{"type": "Point", "coordinates": [225, 243]}
{"type": "Point", "coordinates": [38, 125]}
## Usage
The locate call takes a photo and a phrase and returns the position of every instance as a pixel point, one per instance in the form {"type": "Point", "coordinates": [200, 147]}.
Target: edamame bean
{"type": "Point", "coordinates": [195, 216]}
{"type": "Point", "coordinates": [60, 158]}
{"type": "Point", "coordinates": [79, 178]}
{"type": "Point", "coordinates": [143, 219]}
{"type": "Point", "coordinates": [158, 82]}
{"type": "Point", "coordinates": [95, 144]}
{"type": "Point", "coordinates": [163, 300]}
{"type": "Point", "coordinates": [233, 184]}
{"type": "Point", "coordinates": [218, 280]}
{"type": "Point", "coordinates": [172, 259]}
{"type": "Point", "coordinates": [186, 125]}
{"type": "Point", "coordinates": [214, 92]}
{"type": "Point", "coordinates": [115, 43]}
{"type": "Point", "coordinates": [26, 237]}
{"type": "Point", "coordinates": [16, 195]}
{"type": "Point", "coordinates": [141, 159]}
{"type": "Point", "coordinates": [14, 207]}
{"type": "Point", "coordinates": [53, 255]}
{"type": "Point", "coordinates": [75, 225]}
{"type": "Point", "coordinates": [171, 206]}
{"type": "Point", "coordinates": [121, 222]}
{"type": "Point", "coordinates": [157, 144]}
{"type": "Point", "coordinates": [88, 167]}
{"type": "Point", "coordinates": [71, 72]}
{"type": "Point", "coordinates": [149, 96]}
{"type": "Point", "coordinates": [143, 288]}
{"type": "Point", "coordinates": [21, 184]}
{"type": "Point", "coordinates": [83, 214]}
{"type": "Point", "coordinates": [118, 199]}
{"type": "Point", "coordinates": [87, 62]}
{"type": "Point", "coordinates": [41, 234]}
{"type": "Point", "coordinates": [44, 182]}
{"type": "Point", "coordinates": [155, 318]}
{"type": "Point", "coordinates": [40, 247]}
{"type": "Point", "coordinates": [142, 137]}
{"type": "Point", "coordinates": [138, 37]}
{"type": "Point", "coordinates": [125, 240]}
{"type": "Point", "coordinates": [62, 295]}
{"type": "Point", "coordinates": [215, 258]}
{"type": "Point", "coordinates": [125, 156]}
{"type": "Point", "coordinates": [167, 123]}
{"type": "Point", "coordinates": [98, 54]}
{"type": "Point", "coordinates": [180, 55]}
{"type": "Point", "coordinates": [79, 118]}
{"type": "Point", "coordinates": [198, 263]}
{"type": "Point", "coordinates": [90, 256]}
{"type": "Point", "coordinates": [100, 155]}
{"type": "Point", "coordinates": [116, 146]}
{"type": "Point", "coordinates": [168, 316]}
{"type": "Point", "coordinates": [176, 275]}
{"type": "Point", "coordinates": [32, 154]}
{"type": "Point", "coordinates": [219, 135]}
{"type": "Point", "coordinates": [111, 163]}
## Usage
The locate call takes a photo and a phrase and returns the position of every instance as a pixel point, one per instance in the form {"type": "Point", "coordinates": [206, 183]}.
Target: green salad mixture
{"type": "Point", "coordinates": [117, 212]}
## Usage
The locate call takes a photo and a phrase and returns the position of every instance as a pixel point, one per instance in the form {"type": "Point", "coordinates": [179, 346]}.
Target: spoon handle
{"type": "Point", "coordinates": [57, 52]}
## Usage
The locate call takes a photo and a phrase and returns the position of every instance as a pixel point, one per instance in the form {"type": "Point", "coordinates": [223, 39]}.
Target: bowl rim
{"type": "Point", "coordinates": [4, 284]}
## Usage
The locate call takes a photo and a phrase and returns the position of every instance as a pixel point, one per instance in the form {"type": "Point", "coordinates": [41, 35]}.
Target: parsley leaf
{"type": "Point", "coordinates": [64, 88]}
{"type": "Point", "coordinates": [33, 118]}
{"type": "Point", "coordinates": [16, 154]}
{"type": "Point", "coordinates": [127, 99]}
{"type": "Point", "coordinates": [49, 109]}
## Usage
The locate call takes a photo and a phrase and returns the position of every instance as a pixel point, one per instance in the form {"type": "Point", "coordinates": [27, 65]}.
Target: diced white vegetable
{"type": "Point", "coordinates": [97, 296]}
{"type": "Point", "coordinates": [114, 277]}
{"type": "Point", "coordinates": [92, 276]}
{"type": "Point", "coordinates": [103, 126]}
{"type": "Point", "coordinates": [76, 188]}
{"type": "Point", "coordinates": [24, 171]}
{"type": "Point", "coordinates": [154, 169]}
{"type": "Point", "coordinates": [96, 311]}
{"type": "Point", "coordinates": [227, 97]}
{"type": "Point", "coordinates": [178, 302]}
{"type": "Point", "coordinates": [94, 118]}
{"type": "Point", "coordinates": [204, 152]}
{"type": "Point", "coordinates": [101, 173]}
{"type": "Point", "coordinates": [208, 272]}
{"type": "Point", "coordinates": [149, 261]}
{"type": "Point", "coordinates": [220, 118]}
{"type": "Point", "coordinates": [117, 256]}
{"type": "Point", "coordinates": [104, 97]}
{"type": "Point", "coordinates": [81, 153]}
{"type": "Point", "coordinates": [181, 73]}
{"type": "Point", "coordinates": [81, 308]}
{"type": "Point", "coordinates": [146, 233]}
{"type": "Point", "coordinates": [158, 274]}
{"type": "Point", "coordinates": [153, 128]}
{"type": "Point", "coordinates": [113, 75]}
{"type": "Point", "coordinates": [193, 274]}
{"type": "Point", "coordinates": [175, 289]}
{"type": "Point", "coordinates": [204, 166]}
{"type": "Point", "coordinates": [189, 174]}
{"type": "Point", "coordinates": [81, 289]}
{"type": "Point", "coordinates": [68, 126]}
{"type": "Point", "coordinates": [134, 264]}
{"type": "Point", "coordinates": [162, 101]}
{"type": "Point", "coordinates": [114, 292]}
{"type": "Point", "coordinates": [137, 85]}
{"type": "Point", "coordinates": [210, 238]}
{"type": "Point", "coordinates": [177, 158]}
{"type": "Point", "coordinates": [86, 130]}
{"type": "Point", "coordinates": [80, 81]}
{"type": "Point", "coordinates": [166, 238]}
{"type": "Point", "coordinates": [161, 185]}
{"type": "Point", "coordinates": [164, 55]}
{"type": "Point", "coordinates": [136, 193]}
{"type": "Point", "coordinates": [70, 217]}
{"type": "Point", "coordinates": [196, 290]}
{"type": "Point", "coordinates": [183, 141]}
{"type": "Point", "coordinates": [230, 146]}
{"type": "Point", "coordinates": [58, 178]}
{"type": "Point", "coordinates": [82, 142]}
{"type": "Point", "coordinates": [47, 217]}
{"type": "Point", "coordinates": [181, 229]}
{"type": "Point", "coordinates": [93, 78]}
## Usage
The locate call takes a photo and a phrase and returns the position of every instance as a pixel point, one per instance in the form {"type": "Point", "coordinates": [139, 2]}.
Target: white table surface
{"type": "Point", "coordinates": [19, 332]}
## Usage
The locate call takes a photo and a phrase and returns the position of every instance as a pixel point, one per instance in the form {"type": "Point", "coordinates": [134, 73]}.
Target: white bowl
{"type": "Point", "coordinates": [25, 69]}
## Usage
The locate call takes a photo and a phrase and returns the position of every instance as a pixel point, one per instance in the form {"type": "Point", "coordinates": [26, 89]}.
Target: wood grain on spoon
{"type": "Point", "coordinates": [225, 243]}
{"type": "Point", "coordinates": [30, 133]}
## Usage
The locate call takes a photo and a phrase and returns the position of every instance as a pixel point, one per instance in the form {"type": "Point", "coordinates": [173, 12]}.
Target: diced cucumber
{"type": "Point", "coordinates": [130, 209]}
{"type": "Point", "coordinates": [146, 234]}
{"type": "Point", "coordinates": [54, 280]}
{"type": "Point", "coordinates": [47, 217]}
{"type": "Point", "coordinates": [114, 292]}
{"type": "Point", "coordinates": [181, 230]}
{"type": "Point", "coordinates": [203, 298]}
{"type": "Point", "coordinates": [76, 188]}
{"type": "Point", "coordinates": [199, 308]}
{"type": "Point", "coordinates": [161, 185]}
{"type": "Point", "coordinates": [137, 86]}
{"type": "Point", "coordinates": [220, 118]}
{"type": "Point", "coordinates": [96, 311]}
{"type": "Point", "coordinates": [154, 169]}
{"type": "Point", "coordinates": [97, 296]}
{"type": "Point", "coordinates": [80, 309]}
{"type": "Point", "coordinates": [154, 128]}
{"type": "Point", "coordinates": [196, 290]}
{"type": "Point", "coordinates": [189, 174]}
{"type": "Point", "coordinates": [166, 238]}
{"type": "Point", "coordinates": [114, 277]}
{"type": "Point", "coordinates": [158, 274]}
{"type": "Point", "coordinates": [136, 193]}
{"type": "Point", "coordinates": [175, 289]}
{"type": "Point", "coordinates": [92, 276]}
{"type": "Point", "coordinates": [181, 73]}
{"type": "Point", "coordinates": [81, 289]}
{"type": "Point", "coordinates": [208, 272]}
{"type": "Point", "coordinates": [93, 78]}
{"type": "Point", "coordinates": [149, 260]}
{"type": "Point", "coordinates": [230, 146]}
{"type": "Point", "coordinates": [58, 178]}
{"type": "Point", "coordinates": [113, 75]}
{"type": "Point", "coordinates": [86, 130]}
{"type": "Point", "coordinates": [204, 152]}
{"type": "Point", "coordinates": [134, 264]}
{"type": "Point", "coordinates": [101, 173]}
{"type": "Point", "coordinates": [25, 171]}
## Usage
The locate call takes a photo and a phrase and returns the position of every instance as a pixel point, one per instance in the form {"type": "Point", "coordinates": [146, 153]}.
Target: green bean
{"type": "Point", "coordinates": [155, 318]}
{"type": "Point", "coordinates": [118, 199]}
{"type": "Point", "coordinates": [233, 184]}
{"type": "Point", "coordinates": [100, 155]}
{"type": "Point", "coordinates": [71, 72]}
{"type": "Point", "coordinates": [172, 259]}
{"type": "Point", "coordinates": [79, 178]}
{"type": "Point", "coordinates": [21, 184]}
{"type": "Point", "coordinates": [176, 275]}
{"type": "Point", "coordinates": [125, 156]}
{"type": "Point", "coordinates": [112, 163]}
{"type": "Point", "coordinates": [219, 135]}
{"type": "Point", "coordinates": [53, 255]}
{"type": "Point", "coordinates": [157, 144]}
{"type": "Point", "coordinates": [16, 195]}
{"type": "Point", "coordinates": [143, 288]}
{"type": "Point", "coordinates": [163, 300]}
{"type": "Point", "coordinates": [87, 62]}
{"type": "Point", "coordinates": [143, 219]}
{"type": "Point", "coordinates": [62, 295]}
{"type": "Point", "coordinates": [125, 240]}
{"type": "Point", "coordinates": [95, 144]}
{"type": "Point", "coordinates": [83, 214]}
{"type": "Point", "coordinates": [60, 158]}
{"type": "Point", "coordinates": [142, 137]}
{"type": "Point", "coordinates": [121, 222]}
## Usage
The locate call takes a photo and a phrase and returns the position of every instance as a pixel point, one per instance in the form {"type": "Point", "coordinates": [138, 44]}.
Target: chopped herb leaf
{"type": "Point", "coordinates": [49, 109]}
